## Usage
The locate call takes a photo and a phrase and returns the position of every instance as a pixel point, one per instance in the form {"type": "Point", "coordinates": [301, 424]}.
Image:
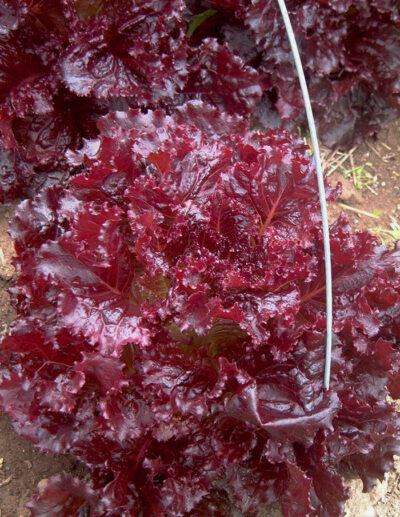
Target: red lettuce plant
{"type": "Point", "coordinates": [350, 51]}
{"type": "Point", "coordinates": [65, 63]}
{"type": "Point", "coordinates": [171, 327]}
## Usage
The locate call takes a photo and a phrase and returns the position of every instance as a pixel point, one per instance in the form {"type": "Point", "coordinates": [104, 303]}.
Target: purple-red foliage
{"type": "Point", "coordinates": [171, 327]}
{"type": "Point", "coordinates": [65, 63]}
{"type": "Point", "coordinates": [350, 51]}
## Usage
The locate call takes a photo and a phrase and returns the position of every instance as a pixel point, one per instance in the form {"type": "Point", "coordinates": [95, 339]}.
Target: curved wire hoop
{"type": "Point", "coordinates": [321, 188]}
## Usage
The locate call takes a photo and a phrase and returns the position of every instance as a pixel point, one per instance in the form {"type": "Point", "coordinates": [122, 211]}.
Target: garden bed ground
{"type": "Point", "coordinates": [22, 468]}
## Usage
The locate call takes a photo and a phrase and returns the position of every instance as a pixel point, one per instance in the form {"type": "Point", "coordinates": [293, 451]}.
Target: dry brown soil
{"type": "Point", "coordinates": [384, 155]}
{"type": "Point", "coordinates": [22, 467]}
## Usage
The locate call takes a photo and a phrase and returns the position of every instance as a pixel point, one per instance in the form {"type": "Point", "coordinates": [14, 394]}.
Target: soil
{"type": "Point", "coordinates": [22, 467]}
{"type": "Point", "coordinates": [384, 197]}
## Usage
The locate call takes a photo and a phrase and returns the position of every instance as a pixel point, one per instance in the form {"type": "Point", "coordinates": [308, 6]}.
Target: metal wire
{"type": "Point", "coordinates": [321, 188]}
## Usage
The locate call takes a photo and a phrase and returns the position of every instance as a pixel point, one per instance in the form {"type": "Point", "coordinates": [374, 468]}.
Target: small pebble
{"type": "Point", "coordinates": [41, 486]}
{"type": "Point", "coordinates": [383, 183]}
